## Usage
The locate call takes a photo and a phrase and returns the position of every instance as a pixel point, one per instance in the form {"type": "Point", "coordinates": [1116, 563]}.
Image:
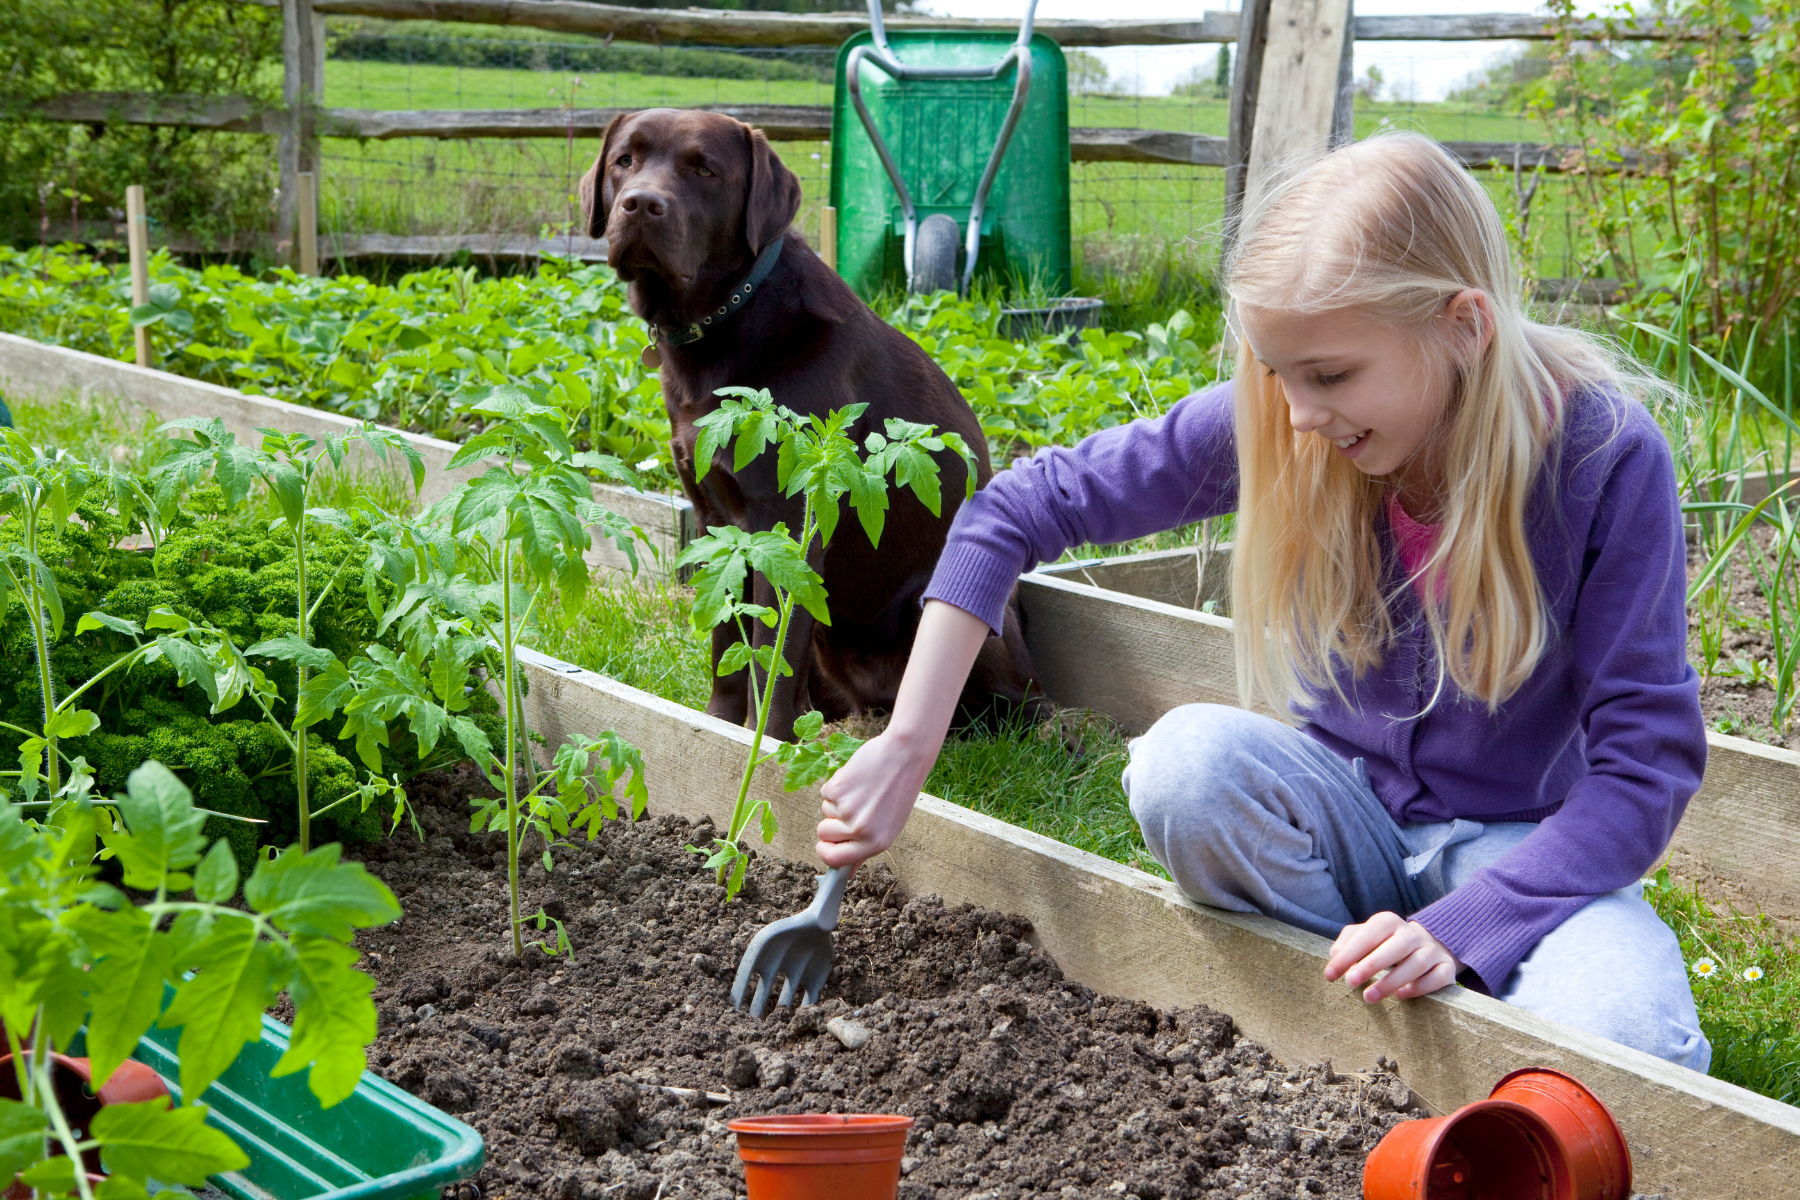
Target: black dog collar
{"type": "Point", "coordinates": [675, 335]}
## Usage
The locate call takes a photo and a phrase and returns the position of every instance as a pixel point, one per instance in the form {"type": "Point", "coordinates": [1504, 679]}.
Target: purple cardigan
{"type": "Point", "coordinates": [1602, 747]}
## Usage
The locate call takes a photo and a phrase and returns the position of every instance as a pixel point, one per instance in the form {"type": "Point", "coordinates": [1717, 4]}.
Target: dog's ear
{"type": "Point", "coordinates": [592, 188]}
{"type": "Point", "coordinates": [773, 197]}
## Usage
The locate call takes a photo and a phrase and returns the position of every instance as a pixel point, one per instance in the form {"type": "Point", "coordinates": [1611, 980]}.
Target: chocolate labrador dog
{"type": "Point", "coordinates": [697, 211]}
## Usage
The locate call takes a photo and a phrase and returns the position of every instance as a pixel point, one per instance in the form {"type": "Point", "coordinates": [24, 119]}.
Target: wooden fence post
{"type": "Point", "coordinates": [137, 244]}
{"type": "Point", "coordinates": [307, 210]}
{"type": "Point", "coordinates": [302, 92]}
{"type": "Point", "coordinates": [1253, 35]}
{"type": "Point", "coordinates": [1343, 112]}
{"type": "Point", "coordinates": [1299, 86]}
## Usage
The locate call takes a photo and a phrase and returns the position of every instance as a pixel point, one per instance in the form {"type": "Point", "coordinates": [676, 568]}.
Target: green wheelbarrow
{"type": "Point", "coordinates": [947, 145]}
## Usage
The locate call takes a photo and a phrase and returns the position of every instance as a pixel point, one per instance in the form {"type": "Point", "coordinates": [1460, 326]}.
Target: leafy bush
{"type": "Point", "coordinates": [457, 44]}
{"type": "Point", "coordinates": [215, 185]}
{"type": "Point", "coordinates": [221, 565]}
{"type": "Point", "coordinates": [1708, 233]}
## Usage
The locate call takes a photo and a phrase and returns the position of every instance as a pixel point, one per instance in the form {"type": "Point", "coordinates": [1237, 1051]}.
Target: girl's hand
{"type": "Point", "coordinates": [1416, 963]}
{"type": "Point", "coordinates": [868, 801]}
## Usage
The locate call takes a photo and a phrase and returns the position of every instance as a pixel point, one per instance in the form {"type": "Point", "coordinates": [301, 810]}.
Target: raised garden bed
{"type": "Point", "coordinates": [591, 1077]}
{"type": "Point", "coordinates": [1125, 933]}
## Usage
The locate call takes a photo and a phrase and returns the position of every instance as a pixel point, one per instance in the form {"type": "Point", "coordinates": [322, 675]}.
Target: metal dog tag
{"type": "Point", "coordinates": [651, 357]}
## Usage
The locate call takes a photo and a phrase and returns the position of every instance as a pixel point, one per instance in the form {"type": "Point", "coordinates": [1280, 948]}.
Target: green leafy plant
{"type": "Point", "coordinates": [78, 951]}
{"type": "Point", "coordinates": [1712, 114]}
{"type": "Point", "coordinates": [817, 459]}
{"type": "Point", "coordinates": [467, 579]}
{"type": "Point", "coordinates": [289, 464]}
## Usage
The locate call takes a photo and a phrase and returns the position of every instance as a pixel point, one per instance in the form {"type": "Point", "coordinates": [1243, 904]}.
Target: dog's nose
{"type": "Point", "coordinates": [643, 200]}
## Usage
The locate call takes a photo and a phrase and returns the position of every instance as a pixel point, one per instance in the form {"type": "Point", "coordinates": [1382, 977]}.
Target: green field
{"type": "Point", "coordinates": [1127, 219]}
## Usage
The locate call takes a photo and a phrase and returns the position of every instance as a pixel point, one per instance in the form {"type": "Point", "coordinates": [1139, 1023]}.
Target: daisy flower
{"type": "Point", "coordinates": [1752, 974]}
{"type": "Point", "coordinates": [1705, 968]}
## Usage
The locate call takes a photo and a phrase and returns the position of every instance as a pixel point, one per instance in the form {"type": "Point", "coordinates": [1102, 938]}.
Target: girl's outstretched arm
{"type": "Point", "coordinates": [867, 802]}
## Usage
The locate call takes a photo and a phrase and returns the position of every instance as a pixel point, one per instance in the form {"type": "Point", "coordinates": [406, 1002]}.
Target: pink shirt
{"type": "Point", "coordinates": [1413, 540]}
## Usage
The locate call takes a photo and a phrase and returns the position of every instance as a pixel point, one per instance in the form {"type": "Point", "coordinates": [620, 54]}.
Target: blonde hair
{"type": "Point", "coordinates": [1393, 227]}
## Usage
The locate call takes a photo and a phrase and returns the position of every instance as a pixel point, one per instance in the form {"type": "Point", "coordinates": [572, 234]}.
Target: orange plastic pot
{"type": "Point", "coordinates": [822, 1156]}
{"type": "Point", "coordinates": [131, 1082]}
{"type": "Point", "coordinates": [1489, 1150]}
{"type": "Point", "coordinates": [1598, 1157]}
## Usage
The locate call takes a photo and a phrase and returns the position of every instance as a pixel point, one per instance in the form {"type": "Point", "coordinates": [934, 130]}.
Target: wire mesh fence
{"type": "Point", "coordinates": [1128, 217]}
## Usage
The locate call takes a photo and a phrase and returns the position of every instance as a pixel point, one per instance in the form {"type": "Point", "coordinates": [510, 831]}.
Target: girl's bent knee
{"type": "Point", "coordinates": [1199, 738]}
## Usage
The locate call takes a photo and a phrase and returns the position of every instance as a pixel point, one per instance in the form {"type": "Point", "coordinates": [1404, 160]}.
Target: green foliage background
{"type": "Point", "coordinates": [213, 185]}
{"type": "Point", "coordinates": [226, 568]}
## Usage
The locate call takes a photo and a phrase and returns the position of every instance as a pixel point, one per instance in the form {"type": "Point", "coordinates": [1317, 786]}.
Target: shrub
{"type": "Point", "coordinates": [213, 185]}
{"type": "Point", "coordinates": [1708, 235]}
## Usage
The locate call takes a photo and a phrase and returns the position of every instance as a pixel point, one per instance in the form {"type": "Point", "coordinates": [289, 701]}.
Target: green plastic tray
{"type": "Point", "coordinates": [941, 133]}
{"type": "Point", "coordinates": [380, 1144]}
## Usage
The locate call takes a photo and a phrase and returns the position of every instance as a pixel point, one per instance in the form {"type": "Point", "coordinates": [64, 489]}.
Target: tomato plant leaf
{"type": "Point", "coordinates": [151, 1139]}
{"type": "Point", "coordinates": [316, 894]}
{"type": "Point", "coordinates": [333, 1018]}
{"type": "Point", "coordinates": [21, 1136]}
{"type": "Point", "coordinates": [162, 832]}
{"type": "Point", "coordinates": [216, 880]}
{"type": "Point", "coordinates": [290, 647]}
{"type": "Point", "coordinates": [219, 1010]}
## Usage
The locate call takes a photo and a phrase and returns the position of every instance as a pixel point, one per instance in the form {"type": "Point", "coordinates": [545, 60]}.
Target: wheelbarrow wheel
{"type": "Point", "coordinates": [934, 254]}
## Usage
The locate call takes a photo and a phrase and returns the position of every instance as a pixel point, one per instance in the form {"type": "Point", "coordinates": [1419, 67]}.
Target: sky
{"type": "Point", "coordinates": [1413, 70]}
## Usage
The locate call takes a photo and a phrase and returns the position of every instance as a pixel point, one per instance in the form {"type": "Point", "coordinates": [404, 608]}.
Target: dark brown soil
{"type": "Point", "coordinates": [1735, 698]}
{"type": "Point", "coordinates": [1022, 1083]}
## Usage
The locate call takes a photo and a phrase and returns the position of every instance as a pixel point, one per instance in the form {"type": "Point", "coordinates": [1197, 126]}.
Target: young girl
{"type": "Point", "coordinates": [1458, 576]}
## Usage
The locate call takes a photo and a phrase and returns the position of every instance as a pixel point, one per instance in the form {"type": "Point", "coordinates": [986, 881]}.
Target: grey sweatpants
{"type": "Point", "coordinates": [1251, 815]}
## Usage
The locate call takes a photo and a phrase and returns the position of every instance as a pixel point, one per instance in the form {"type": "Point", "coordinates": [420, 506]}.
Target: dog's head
{"type": "Point", "coordinates": [684, 196]}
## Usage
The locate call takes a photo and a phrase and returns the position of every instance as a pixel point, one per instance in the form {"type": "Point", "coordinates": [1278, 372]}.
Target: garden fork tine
{"type": "Point", "coordinates": [798, 947]}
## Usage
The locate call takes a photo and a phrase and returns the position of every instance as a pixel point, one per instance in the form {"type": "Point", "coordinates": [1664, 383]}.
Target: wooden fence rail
{"type": "Point", "coordinates": [720, 28]}
{"type": "Point", "coordinates": [781, 122]}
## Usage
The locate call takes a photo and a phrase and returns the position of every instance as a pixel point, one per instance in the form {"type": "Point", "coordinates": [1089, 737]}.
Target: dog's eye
{"type": "Point", "coordinates": [624, 160]}
{"type": "Point", "coordinates": [702, 171]}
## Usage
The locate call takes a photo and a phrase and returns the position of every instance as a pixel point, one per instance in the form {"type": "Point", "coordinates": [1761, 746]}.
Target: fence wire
{"type": "Point", "coordinates": [1127, 218]}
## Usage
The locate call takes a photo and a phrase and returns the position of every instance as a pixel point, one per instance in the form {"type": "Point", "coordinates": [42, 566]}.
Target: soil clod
{"type": "Point", "coordinates": [590, 1078]}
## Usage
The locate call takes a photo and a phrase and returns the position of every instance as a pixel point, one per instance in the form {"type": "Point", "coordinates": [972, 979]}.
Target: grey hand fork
{"type": "Point", "coordinates": [798, 947]}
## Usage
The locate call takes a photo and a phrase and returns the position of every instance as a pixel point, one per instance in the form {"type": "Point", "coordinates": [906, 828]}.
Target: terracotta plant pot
{"type": "Point", "coordinates": [1598, 1156]}
{"type": "Point", "coordinates": [130, 1083]}
{"type": "Point", "coordinates": [822, 1156]}
{"type": "Point", "coordinates": [1489, 1150]}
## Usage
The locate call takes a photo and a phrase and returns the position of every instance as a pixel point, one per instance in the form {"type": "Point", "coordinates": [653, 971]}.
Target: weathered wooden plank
{"type": "Point", "coordinates": [32, 369]}
{"type": "Point", "coordinates": [1089, 144]}
{"type": "Point", "coordinates": [228, 114]}
{"type": "Point", "coordinates": [1166, 576]}
{"type": "Point", "coordinates": [1131, 658]}
{"type": "Point", "coordinates": [1483, 27]}
{"type": "Point", "coordinates": [828, 29]}
{"type": "Point", "coordinates": [727, 28]}
{"type": "Point", "coordinates": [781, 122]}
{"type": "Point", "coordinates": [1299, 89]}
{"type": "Point", "coordinates": [1127, 933]}
{"type": "Point", "coordinates": [434, 248]}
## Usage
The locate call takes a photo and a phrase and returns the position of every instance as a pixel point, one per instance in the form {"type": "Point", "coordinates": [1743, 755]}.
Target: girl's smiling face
{"type": "Point", "coordinates": [1369, 387]}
